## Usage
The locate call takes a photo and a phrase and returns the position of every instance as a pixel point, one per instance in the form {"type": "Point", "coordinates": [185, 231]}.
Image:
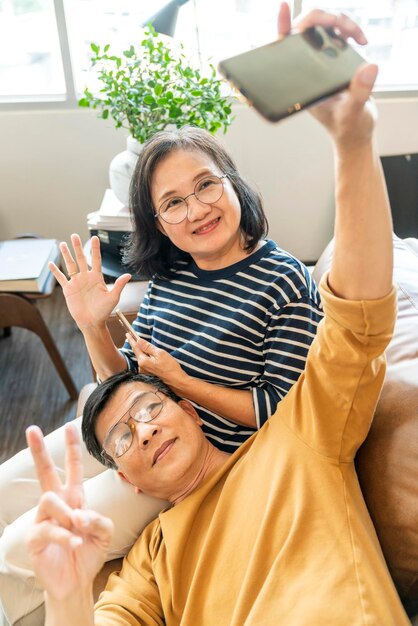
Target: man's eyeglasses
{"type": "Point", "coordinates": [208, 190]}
{"type": "Point", "coordinates": [119, 438]}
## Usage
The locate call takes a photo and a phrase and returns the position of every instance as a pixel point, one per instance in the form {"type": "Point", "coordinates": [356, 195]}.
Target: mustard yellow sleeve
{"type": "Point", "coordinates": [331, 406]}
{"type": "Point", "coordinates": [131, 597]}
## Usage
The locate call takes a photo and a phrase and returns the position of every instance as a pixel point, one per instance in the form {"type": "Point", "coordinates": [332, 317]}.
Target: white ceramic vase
{"type": "Point", "coordinates": [121, 169]}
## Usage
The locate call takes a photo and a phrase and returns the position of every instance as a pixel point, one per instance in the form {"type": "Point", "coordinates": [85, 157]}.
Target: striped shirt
{"type": "Point", "coordinates": [247, 326]}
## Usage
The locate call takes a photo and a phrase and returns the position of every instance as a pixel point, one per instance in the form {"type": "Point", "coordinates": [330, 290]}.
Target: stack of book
{"type": "Point", "coordinates": [24, 264]}
{"type": "Point", "coordinates": [111, 223]}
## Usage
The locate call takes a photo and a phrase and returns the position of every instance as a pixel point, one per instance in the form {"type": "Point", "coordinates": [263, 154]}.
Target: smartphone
{"type": "Point", "coordinates": [291, 74]}
{"type": "Point", "coordinates": [127, 326]}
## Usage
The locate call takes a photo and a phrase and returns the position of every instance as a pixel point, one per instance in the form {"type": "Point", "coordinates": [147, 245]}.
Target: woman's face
{"type": "Point", "coordinates": [211, 232]}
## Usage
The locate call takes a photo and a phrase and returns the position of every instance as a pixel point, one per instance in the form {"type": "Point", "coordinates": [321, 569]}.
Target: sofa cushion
{"type": "Point", "coordinates": [387, 463]}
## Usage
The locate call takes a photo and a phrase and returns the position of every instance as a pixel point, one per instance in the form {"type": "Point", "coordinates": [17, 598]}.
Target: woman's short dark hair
{"type": "Point", "coordinates": [150, 252]}
{"type": "Point", "coordinates": [99, 399]}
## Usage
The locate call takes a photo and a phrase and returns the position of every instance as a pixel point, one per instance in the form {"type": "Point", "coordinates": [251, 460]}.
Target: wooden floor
{"type": "Point", "coordinates": [31, 391]}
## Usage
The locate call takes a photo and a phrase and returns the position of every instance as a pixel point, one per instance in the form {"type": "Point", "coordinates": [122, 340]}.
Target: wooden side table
{"type": "Point", "coordinates": [19, 309]}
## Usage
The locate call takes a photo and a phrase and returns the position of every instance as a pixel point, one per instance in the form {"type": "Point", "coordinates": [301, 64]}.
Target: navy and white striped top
{"type": "Point", "coordinates": [247, 326]}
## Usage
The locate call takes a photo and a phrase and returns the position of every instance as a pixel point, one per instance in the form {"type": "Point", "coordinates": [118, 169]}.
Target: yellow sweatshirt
{"type": "Point", "coordinates": [280, 534]}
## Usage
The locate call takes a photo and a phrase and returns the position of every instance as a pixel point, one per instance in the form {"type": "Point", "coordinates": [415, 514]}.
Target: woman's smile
{"type": "Point", "coordinates": [177, 176]}
{"type": "Point", "coordinates": [208, 227]}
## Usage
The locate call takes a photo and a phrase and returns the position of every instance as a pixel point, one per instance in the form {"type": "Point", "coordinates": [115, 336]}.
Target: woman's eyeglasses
{"type": "Point", "coordinates": [208, 190]}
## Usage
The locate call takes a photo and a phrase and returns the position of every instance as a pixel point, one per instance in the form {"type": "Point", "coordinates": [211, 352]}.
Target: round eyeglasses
{"type": "Point", "coordinates": [120, 437]}
{"type": "Point", "coordinates": [207, 190]}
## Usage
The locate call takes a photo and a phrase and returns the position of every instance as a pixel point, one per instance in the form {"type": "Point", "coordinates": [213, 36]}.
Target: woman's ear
{"type": "Point", "coordinates": [190, 410]}
{"type": "Point", "coordinates": [161, 228]}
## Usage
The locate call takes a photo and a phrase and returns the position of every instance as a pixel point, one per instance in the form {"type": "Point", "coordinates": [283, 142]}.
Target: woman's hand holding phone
{"type": "Point", "coordinates": [158, 362]}
{"type": "Point", "coordinates": [127, 326]}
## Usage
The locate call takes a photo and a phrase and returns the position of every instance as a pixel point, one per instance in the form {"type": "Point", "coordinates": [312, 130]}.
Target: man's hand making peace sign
{"type": "Point", "coordinates": [68, 544]}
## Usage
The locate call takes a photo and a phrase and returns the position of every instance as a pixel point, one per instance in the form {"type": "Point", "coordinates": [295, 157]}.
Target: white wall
{"type": "Point", "coordinates": [53, 169]}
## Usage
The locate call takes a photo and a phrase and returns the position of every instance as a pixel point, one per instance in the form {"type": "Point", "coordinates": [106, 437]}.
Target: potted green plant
{"type": "Point", "coordinates": [148, 88]}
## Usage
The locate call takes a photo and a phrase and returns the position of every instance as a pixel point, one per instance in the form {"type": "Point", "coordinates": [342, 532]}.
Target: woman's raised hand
{"type": "Point", "coordinates": [89, 300]}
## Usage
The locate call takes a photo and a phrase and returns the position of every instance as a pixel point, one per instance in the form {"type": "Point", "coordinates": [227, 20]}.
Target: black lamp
{"type": "Point", "coordinates": [164, 21]}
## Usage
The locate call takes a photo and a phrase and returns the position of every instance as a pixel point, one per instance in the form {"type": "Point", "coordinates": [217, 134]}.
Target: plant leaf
{"type": "Point", "coordinates": [149, 86]}
{"type": "Point", "coordinates": [174, 111]}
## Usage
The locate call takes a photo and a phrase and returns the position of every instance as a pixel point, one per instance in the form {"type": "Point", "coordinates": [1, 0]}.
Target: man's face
{"type": "Point", "coordinates": [166, 453]}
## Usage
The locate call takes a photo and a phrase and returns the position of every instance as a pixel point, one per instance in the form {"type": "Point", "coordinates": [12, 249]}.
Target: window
{"type": "Point", "coordinates": [103, 21]}
{"type": "Point", "coordinates": [203, 27]}
{"type": "Point", "coordinates": [30, 58]}
{"type": "Point", "coordinates": [45, 44]}
{"type": "Point", "coordinates": [391, 27]}
{"type": "Point", "coordinates": [228, 27]}
{"type": "Point", "coordinates": [53, 30]}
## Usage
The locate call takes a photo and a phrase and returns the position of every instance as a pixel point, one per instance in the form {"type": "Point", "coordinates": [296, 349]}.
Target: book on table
{"type": "Point", "coordinates": [24, 264]}
{"type": "Point", "coordinates": [112, 224]}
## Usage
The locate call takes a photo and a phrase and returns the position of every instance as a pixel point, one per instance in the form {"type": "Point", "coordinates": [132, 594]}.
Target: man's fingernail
{"type": "Point", "coordinates": [83, 517]}
{"type": "Point", "coordinates": [368, 75]}
{"type": "Point", "coordinates": [75, 542]}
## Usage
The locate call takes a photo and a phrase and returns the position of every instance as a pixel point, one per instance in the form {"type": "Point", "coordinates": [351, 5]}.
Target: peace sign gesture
{"type": "Point", "coordinates": [67, 543]}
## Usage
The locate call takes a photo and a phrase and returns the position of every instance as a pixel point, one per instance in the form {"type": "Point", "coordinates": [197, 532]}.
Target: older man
{"type": "Point", "coordinates": [278, 533]}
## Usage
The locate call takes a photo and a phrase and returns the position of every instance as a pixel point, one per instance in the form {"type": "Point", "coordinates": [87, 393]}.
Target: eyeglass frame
{"type": "Point", "coordinates": [131, 427]}
{"type": "Point", "coordinates": [158, 214]}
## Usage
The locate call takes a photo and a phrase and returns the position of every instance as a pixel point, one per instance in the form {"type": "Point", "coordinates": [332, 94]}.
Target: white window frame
{"type": "Point", "coordinates": [379, 93]}
{"type": "Point", "coordinates": [70, 99]}
{"type": "Point", "coordinates": [67, 101]}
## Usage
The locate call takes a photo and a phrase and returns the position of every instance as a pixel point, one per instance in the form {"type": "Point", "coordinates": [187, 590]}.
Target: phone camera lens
{"type": "Point", "coordinates": [330, 52]}
{"type": "Point", "coordinates": [313, 38]}
{"type": "Point", "coordinates": [335, 39]}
